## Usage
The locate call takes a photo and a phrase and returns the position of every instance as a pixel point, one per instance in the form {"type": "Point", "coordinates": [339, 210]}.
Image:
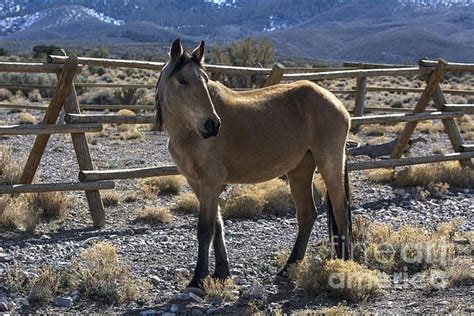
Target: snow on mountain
{"type": "Point", "coordinates": [73, 13]}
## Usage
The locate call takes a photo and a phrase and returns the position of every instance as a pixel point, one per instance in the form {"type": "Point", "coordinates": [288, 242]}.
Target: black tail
{"type": "Point", "coordinates": [332, 226]}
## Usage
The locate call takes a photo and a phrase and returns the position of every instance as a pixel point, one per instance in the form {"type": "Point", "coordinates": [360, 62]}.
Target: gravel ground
{"type": "Point", "coordinates": [165, 254]}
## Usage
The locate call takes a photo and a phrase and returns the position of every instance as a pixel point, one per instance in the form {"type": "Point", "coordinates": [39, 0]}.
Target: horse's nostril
{"type": "Point", "coordinates": [212, 127]}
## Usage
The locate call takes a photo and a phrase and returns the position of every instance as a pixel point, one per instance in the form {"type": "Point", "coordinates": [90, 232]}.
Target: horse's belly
{"type": "Point", "coordinates": [259, 168]}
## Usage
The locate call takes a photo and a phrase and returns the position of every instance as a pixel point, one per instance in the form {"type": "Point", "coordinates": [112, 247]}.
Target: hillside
{"type": "Point", "coordinates": [382, 31]}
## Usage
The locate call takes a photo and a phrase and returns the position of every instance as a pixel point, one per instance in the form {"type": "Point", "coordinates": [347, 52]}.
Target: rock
{"type": "Point", "coordinates": [216, 301]}
{"type": "Point", "coordinates": [23, 301]}
{"type": "Point", "coordinates": [412, 304]}
{"type": "Point", "coordinates": [195, 297]}
{"type": "Point", "coordinates": [174, 308]}
{"type": "Point", "coordinates": [65, 302]}
{"type": "Point", "coordinates": [45, 237]}
{"type": "Point", "coordinates": [256, 291]}
{"type": "Point", "coordinates": [4, 307]}
{"type": "Point", "coordinates": [155, 280]}
{"type": "Point", "coordinates": [196, 312]}
{"type": "Point", "coordinates": [148, 312]}
{"type": "Point", "coordinates": [182, 297]}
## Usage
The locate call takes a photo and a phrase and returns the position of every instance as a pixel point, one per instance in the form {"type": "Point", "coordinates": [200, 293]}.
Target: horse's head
{"type": "Point", "coordinates": [182, 92]}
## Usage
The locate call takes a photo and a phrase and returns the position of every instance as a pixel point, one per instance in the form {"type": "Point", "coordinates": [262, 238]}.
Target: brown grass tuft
{"type": "Point", "coordinates": [10, 168]}
{"type": "Point", "coordinates": [17, 213]}
{"type": "Point", "coordinates": [343, 279]}
{"type": "Point", "coordinates": [126, 112]}
{"type": "Point", "coordinates": [272, 197]}
{"type": "Point", "coordinates": [461, 271]}
{"type": "Point", "coordinates": [49, 205]}
{"type": "Point", "coordinates": [411, 248]}
{"type": "Point", "coordinates": [162, 185]}
{"type": "Point", "coordinates": [186, 203]}
{"type": "Point", "coordinates": [154, 215]}
{"type": "Point", "coordinates": [25, 118]}
{"type": "Point", "coordinates": [226, 289]}
{"type": "Point", "coordinates": [110, 197]}
{"type": "Point", "coordinates": [102, 277]}
{"type": "Point", "coordinates": [45, 286]}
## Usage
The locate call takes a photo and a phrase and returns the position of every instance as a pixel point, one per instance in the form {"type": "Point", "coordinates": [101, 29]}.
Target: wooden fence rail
{"type": "Point", "coordinates": [77, 123]}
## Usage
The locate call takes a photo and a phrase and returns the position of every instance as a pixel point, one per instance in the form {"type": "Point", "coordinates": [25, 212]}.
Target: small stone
{"type": "Point", "coordinates": [216, 301]}
{"type": "Point", "coordinates": [256, 291]}
{"type": "Point", "coordinates": [23, 301]}
{"type": "Point", "coordinates": [65, 302]}
{"type": "Point", "coordinates": [412, 304]}
{"type": "Point", "coordinates": [3, 307]}
{"type": "Point", "coordinates": [182, 297]}
{"type": "Point", "coordinates": [174, 308]}
{"type": "Point", "coordinates": [45, 237]}
{"type": "Point", "coordinates": [155, 280]}
{"type": "Point", "coordinates": [148, 312]}
{"type": "Point", "coordinates": [196, 312]}
{"type": "Point", "coordinates": [195, 297]}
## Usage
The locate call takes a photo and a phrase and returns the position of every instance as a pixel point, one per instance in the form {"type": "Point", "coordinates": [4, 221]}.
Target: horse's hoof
{"type": "Point", "coordinates": [194, 290]}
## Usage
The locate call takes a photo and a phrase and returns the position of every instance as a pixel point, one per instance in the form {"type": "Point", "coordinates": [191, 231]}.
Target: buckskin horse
{"type": "Point", "coordinates": [219, 136]}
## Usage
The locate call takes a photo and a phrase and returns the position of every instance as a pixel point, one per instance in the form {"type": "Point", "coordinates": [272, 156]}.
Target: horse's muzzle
{"type": "Point", "coordinates": [211, 128]}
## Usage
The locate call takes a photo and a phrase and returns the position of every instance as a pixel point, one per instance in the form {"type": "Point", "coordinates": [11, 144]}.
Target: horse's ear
{"type": "Point", "coordinates": [176, 50]}
{"type": "Point", "coordinates": [198, 52]}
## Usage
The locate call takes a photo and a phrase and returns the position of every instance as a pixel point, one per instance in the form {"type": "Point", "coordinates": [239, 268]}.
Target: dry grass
{"type": "Point", "coordinates": [110, 197]}
{"type": "Point", "coordinates": [10, 168]}
{"type": "Point", "coordinates": [25, 118]}
{"type": "Point", "coordinates": [428, 127]}
{"type": "Point", "coordinates": [272, 197]}
{"type": "Point", "coordinates": [343, 279]}
{"type": "Point", "coordinates": [17, 213]}
{"type": "Point", "coordinates": [102, 277]}
{"type": "Point", "coordinates": [186, 203]}
{"type": "Point", "coordinates": [45, 286]}
{"type": "Point", "coordinates": [226, 289]}
{"type": "Point", "coordinates": [408, 249]}
{"type": "Point", "coordinates": [129, 133]}
{"type": "Point", "coordinates": [48, 205]}
{"type": "Point", "coordinates": [161, 185]}
{"type": "Point", "coordinates": [126, 112]}
{"type": "Point", "coordinates": [154, 215]}
{"type": "Point", "coordinates": [437, 178]}
{"type": "Point", "coordinates": [380, 130]}
{"type": "Point", "coordinates": [446, 172]}
{"type": "Point", "coordinates": [461, 271]}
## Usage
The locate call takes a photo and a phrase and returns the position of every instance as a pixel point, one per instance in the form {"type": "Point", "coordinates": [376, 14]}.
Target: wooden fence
{"type": "Point", "coordinates": [77, 123]}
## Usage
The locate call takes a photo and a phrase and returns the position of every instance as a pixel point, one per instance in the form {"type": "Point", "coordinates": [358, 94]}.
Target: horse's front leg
{"type": "Point", "coordinates": [208, 198]}
{"type": "Point", "coordinates": [222, 262]}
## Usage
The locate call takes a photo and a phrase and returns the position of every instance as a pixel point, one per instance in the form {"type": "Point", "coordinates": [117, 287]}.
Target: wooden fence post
{"type": "Point", "coordinates": [425, 98]}
{"type": "Point", "coordinates": [63, 86]}
{"type": "Point", "coordinates": [361, 91]}
{"type": "Point", "coordinates": [275, 76]}
{"type": "Point", "coordinates": [450, 126]}
{"type": "Point", "coordinates": [79, 141]}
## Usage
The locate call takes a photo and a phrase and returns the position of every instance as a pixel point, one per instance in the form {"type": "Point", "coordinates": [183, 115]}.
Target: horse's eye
{"type": "Point", "coordinates": [182, 81]}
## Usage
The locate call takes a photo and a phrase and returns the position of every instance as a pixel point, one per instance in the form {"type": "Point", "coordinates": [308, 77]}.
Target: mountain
{"type": "Point", "coordinates": [379, 31]}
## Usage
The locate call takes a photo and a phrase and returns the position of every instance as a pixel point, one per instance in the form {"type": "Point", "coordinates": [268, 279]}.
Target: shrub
{"type": "Point", "coordinates": [186, 203]}
{"type": "Point", "coordinates": [25, 118]}
{"type": "Point", "coordinates": [35, 96]}
{"type": "Point", "coordinates": [110, 197]}
{"type": "Point", "coordinates": [411, 248]}
{"type": "Point", "coordinates": [10, 168]}
{"type": "Point", "coordinates": [461, 272]}
{"type": "Point", "coordinates": [161, 185]}
{"type": "Point", "coordinates": [272, 197]}
{"type": "Point", "coordinates": [154, 215]}
{"type": "Point", "coordinates": [5, 94]}
{"type": "Point", "coordinates": [102, 277]}
{"type": "Point", "coordinates": [102, 96]}
{"type": "Point", "coordinates": [45, 286]}
{"type": "Point", "coordinates": [17, 213]}
{"type": "Point", "coordinates": [343, 279]}
{"type": "Point", "coordinates": [50, 205]}
{"type": "Point", "coordinates": [226, 289]}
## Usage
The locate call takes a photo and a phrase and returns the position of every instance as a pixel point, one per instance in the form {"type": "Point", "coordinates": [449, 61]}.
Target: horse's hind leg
{"type": "Point", "coordinates": [332, 170]}
{"type": "Point", "coordinates": [301, 184]}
